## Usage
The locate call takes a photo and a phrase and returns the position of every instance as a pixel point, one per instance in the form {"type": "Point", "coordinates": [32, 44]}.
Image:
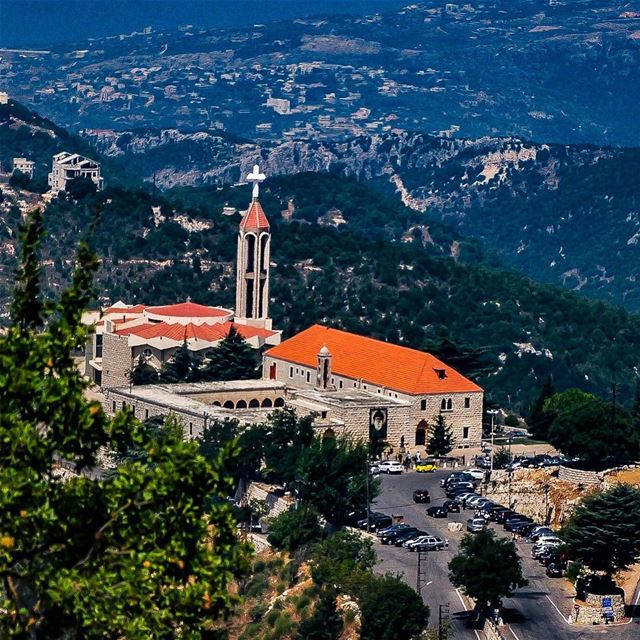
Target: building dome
{"type": "Point", "coordinates": [324, 351]}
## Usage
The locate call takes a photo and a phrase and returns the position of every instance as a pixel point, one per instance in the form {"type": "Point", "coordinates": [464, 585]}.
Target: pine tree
{"type": "Point", "coordinates": [603, 532]}
{"type": "Point", "coordinates": [538, 419]}
{"type": "Point", "coordinates": [180, 367]}
{"type": "Point", "coordinates": [143, 373]}
{"type": "Point", "coordinates": [441, 439]}
{"type": "Point", "coordinates": [231, 359]}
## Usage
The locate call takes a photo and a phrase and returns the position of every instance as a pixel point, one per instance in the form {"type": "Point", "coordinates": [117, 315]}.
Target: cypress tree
{"type": "Point", "coordinates": [441, 440]}
{"type": "Point", "coordinates": [538, 419]}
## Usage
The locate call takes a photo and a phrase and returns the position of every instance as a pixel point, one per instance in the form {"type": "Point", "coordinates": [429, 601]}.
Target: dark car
{"type": "Point", "coordinates": [390, 537]}
{"type": "Point", "coordinates": [451, 506]}
{"type": "Point", "coordinates": [394, 527]}
{"type": "Point", "coordinates": [523, 528]}
{"type": "Point", "coordinates": [437, 512]}
{"type": "Point", "coordinates": [554, 570]}
{"type": "Point", "coordinates": [501, 516]}
{"type": "Point", "coordinates": [422, 496]}
{"type": "Point", "coordinates": [515, 519]}
{"type": "Point", "coordinates": [407, 535]}
{"type": "Point", "coordinates": [457, 487]}
{"type": "Point", "coordinates": [376, 521]}
{"type": "Point", "coordinates": [495, 511]}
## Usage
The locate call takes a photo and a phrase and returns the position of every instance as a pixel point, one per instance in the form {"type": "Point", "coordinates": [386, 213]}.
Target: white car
{"type": "Point", "coordinates": [473, 501]}
{"type": "Point", "coordinates": [390, 466]}
{"type": "Point", "coordinates": [374, 468]}
{"type": "Point", "coordinates": [476, 474]}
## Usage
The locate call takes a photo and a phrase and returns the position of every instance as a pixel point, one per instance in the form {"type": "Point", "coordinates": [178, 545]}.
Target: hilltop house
{"type": "Point", "coordinates": [24, 166]}
{"type": "Point", "coordinates": [66, 166]}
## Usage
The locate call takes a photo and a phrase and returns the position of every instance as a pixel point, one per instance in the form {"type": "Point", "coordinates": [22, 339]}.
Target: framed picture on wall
{"type": "Point", "coordinates": [378, 424]}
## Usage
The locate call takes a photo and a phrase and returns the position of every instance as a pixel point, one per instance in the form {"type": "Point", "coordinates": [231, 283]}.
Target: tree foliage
{"type": "Point", "coordinates": [133, 555]}
{"type": "Point", "coordinates": [294, 528]}
{"type": "Point", "coordinates": [603, 532]}
{"type": "Point", "coordinates": [231, 359]}
{"type": "Point", "coordinates": [440, 438]}
{"type": "Point", "coordinates": [143, 372]}
{"type": "Point", "coordinates": [487, 567]}
{"type": "Point", "coordinates": [599, 433]}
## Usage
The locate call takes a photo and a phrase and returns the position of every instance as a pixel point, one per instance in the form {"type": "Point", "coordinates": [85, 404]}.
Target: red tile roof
{"type": "Point", "coordinates": [379, 363]}
{"type": "Point", "coordinates": [254, 217]}
{"type": "Point", "coordinates": [138, 308]}
{"type": "Point", "coordinates": [188, 310]}
{"type": "Point", "coordinates": [180, 332]}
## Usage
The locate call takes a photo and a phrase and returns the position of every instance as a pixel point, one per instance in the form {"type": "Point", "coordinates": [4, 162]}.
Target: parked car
{"type": "Point", "coordinates": [407, 535]}
{"type": "Point", "coordinates": [437, 512]}
{"type": "Point", "coordinates": [450, 478]}
{"type": "Point", "coordinates": [451, 506]}
{"type": "Point", "coordinates": [540, 531]}
{"type": "Point", "coordinates": [501, 516]}
{"type": "Point", "coordinates": [484, 463]}
{"type": "Point", "coordinates": [391, 536]}
{"type": "Point", "coordinates": [554, 570]}
{"type": "Point", "coordinates": [374, 468]}
{"type": "Point", "coordinates": [515, 519]}
{"type": "Point", "coordinates": [461, 498]}
{"type": "Point", "coordinates": [454, 488]}
{"type": "Point", "coordinates": [430, 543]}
{"type": "Point", "coordinates": [426, 467]}
{"type": "Point", "coordinates": [421, 496]}
{"type": "Point", "coordinates": [472, 501]}
{"type": "Point", "coordinates": [522, 528]}
{"type": "Point", "coordinates": [476, 474]}
{"type": "Point", "coordinates": [495, 510]}
{"type": "Point", "coordinates": [408, 544]}
{"type": "Point", "coordinates": [393, 527]}
{"type": "Point", "coordinates": [474, 525]}
{"type": "Point", "coordinates": [390, 466]}
{"type": "Point", "coordinates": [376, 521]}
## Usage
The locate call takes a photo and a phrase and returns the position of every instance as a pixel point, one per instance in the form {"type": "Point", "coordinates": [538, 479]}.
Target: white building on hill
{"type": "Point", "coordinates": [66, 166]}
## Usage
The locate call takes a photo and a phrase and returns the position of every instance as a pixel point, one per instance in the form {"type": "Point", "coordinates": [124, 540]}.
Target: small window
{"type": "Point", "coordinates": [291, 372]}
{"type": "Point", "coordinates": [191, 428]}
{"type": "Point", "coordinates": [308, 376]}
{"type": "Point", "coordinates": [113, 406]}
{"type": "Point", "coordinates": [379, 391]}
{"type": "Point", "coordinates": [340, 384]}
{"type": "Point", "coordinates": [364, 386]}
{"type": "Point", "coordinates": [297, 371]}
{"type": "Point", "coordinates": [441, 373]}
{"type": "Point", "coordinates": [323, 414]}
{"type": "Point", "coordinates": [467, 403]}
{"type": "Point", "coordinates": [465, 432]}
{"type": "Point", "coordinates": [146, 414]}
{"type": "Point", "coordinates": [333, 381]}
{"type": "Point", "coordinates": [449, 404]}
{"type": "Point", "coordinates": [124, 405]}
{"type": "Point", "coordinates": [423, 405]}
{"type": "Point", "coordinates": [443, 405]}
{"type": "Point", "coordinates": [355, 384]}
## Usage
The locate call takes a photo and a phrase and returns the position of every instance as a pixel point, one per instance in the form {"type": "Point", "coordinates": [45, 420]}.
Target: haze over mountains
{"type": "Point", "coordinates": [549, 72]}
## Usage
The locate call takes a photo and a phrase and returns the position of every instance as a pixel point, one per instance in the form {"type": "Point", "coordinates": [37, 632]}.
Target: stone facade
{"type": "Point", "coordinates": [592, 610]}
{"type": "Point", "coordinates": [577, 476]}
{"type": "Point", "coordinates": [462, 411]}
{"type": "Point", "coordinates": [116, 367]}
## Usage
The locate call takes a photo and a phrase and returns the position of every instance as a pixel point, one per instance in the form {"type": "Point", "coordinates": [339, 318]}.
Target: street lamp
{"type": "Point", "coordinates": [493, 413]}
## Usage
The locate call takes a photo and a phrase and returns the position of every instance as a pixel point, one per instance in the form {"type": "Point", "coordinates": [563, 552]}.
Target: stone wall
{"type": "Point", "coordinates": [577, 476]}
{"type": "Point", "coordinates": [264, 493]}
{"type": "Point", "coordinates": [116, 361]}
{"type": "Point", "coordinates": [591, 610]}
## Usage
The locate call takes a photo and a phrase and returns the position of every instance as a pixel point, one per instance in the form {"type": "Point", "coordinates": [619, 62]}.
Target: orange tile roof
{"type": "Point", "coordinates": [188, 310]}
{"type": "Point", "coordinates": [138, 308]}
{"type": "Point", "coordinates": [180, 332]}
{"type": "Point", "coordinates": [379, 363]}
{"type": "Point", "coordinates": [254, 217]}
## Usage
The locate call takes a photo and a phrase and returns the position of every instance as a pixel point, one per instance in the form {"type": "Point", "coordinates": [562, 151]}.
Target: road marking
{"type": "Point", "coordinates": [635, 605]}
{"type": "Point", "coordinates": [556, 608]}
{"type": "Point", "coordinates": [465, 608]}
{"type": "Point", "coordinates": [513, 632]}
{"type": "Point", "coordinates": [428, 583]}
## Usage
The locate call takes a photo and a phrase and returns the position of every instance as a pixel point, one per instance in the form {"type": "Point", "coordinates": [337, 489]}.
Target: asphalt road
{"type": "Point", "coordinates": [535, 612]}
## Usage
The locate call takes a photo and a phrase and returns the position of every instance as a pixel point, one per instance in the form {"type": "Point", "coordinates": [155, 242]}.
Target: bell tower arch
{"type": "Point", "coordinates": [253, 259]}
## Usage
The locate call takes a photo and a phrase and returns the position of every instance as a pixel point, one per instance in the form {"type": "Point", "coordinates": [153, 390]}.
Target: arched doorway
{"type": "Point", "coordinates": [267, 402]}
{"type": "Point", "coordinates": [253, 403]}
{"type": "Point", "coordinates": [241, 404]}
{"type": "Point", "coordinates": [279, 402]}
{"type": "Point", "coordinates": [228, 404]}
{"type": "Point", "coordinates": [421, 433]}
{"type": "Point", "coordinates": [329, 433]}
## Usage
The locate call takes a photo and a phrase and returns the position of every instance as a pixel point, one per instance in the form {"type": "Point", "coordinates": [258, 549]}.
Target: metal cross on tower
{"type": "Point", "coordinates": [256, 178]}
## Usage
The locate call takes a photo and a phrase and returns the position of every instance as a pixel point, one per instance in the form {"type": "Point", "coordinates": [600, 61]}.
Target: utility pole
{"type": "Point", "coordinates": [443, 616]}
{"type": "Point", "coordinates": [366, 472]}
{"type": "Point", "coordinates": [492, 413]}
{"type": "Point", "coordinates": [510, 470]}
{"type": "Point", "coordinates": [421, 579]}
{"type": "Point", "coordinates": [546, 504]}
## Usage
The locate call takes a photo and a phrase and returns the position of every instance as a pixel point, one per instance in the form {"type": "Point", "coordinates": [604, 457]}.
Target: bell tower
{"type": "Point", "coordinates": [323, 370]}
{"type": "Point", "coordinates": [252, 269]}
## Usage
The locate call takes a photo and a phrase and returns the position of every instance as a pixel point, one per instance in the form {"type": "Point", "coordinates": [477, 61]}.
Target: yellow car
{"type": "Point", "coordinates": [423, 467]}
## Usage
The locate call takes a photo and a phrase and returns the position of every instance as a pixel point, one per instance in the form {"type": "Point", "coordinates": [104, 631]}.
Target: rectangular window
{"type": "Point", "coordinates": [124, 405]}
{"type": "Point", "coordinates": [465, 433]}
{"type": "Point", "coordinates": [291, 372]}
{"type": "Point", "coordinates": [308, 376]}
{"type": "Point", "coordinates": [113, 406]}
{"type": "Point", "coordinates": [340, 384]}
{"type": "Point", "coordinates": [324, 414]}
{"type": "Point", "coordinates": [467, 403]}
{"type": "Point", "coordinates": [146, 414]}
{"type": "Point", "coordinates": [98, 345]}
{"type": "Point", "coordinates": [423, 405]}
{"type": "Point", "coordinates": [191, 428]}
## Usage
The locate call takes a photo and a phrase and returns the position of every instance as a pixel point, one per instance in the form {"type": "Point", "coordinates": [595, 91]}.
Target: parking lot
{"type": "Point", "coordinates": [535, 612]}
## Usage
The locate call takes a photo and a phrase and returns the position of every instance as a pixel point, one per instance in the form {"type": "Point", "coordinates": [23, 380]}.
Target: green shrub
{"type": "Point", "coordinates": [283, 625]}
{"type": "Point", "coordinates": [295, 527]}
{"type": "Point", "coordinates": [258, 612]}
{"type": "Point", "coordinates": [303, 602]}
{"type": "Point", "coordinates": [251, 632]}
{"type": "Point", "coordinates": [257, 586]}
{"type": "Point", "coordinates": [272, 616]}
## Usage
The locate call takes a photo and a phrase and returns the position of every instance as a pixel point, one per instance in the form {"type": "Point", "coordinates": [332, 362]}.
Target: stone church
{"type": "Point", "coordinates": [353, 384]}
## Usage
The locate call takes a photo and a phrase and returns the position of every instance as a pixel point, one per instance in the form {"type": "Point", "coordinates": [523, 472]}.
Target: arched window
{"type": "Point", "coordinates": [228, 404]}
{"type": "Point", "coordinates": [329, 433]}
{"type": "Point", "coordinates": [241, 404]}
{"type": "Point", "coordinates": [253, 403]}
{"type": "Point", "coordinates": [402, 442]}
{"type": "Point", "coordinates": [264, 239]}
{"type": "Point", "coordinates": [267, 402]}
{"type": "Point", "coordinates": [216, 403]}
{"type": "Point", "coordinates": [251, 251]}
{"type": "Point", "coordinates": [443, 405]}
{"type": "Point", "coordinates": [449, 404]}
{"type": "Point", "coordinates": [279, 402]}
{"type": "Point", "coordinates": [421, 433]}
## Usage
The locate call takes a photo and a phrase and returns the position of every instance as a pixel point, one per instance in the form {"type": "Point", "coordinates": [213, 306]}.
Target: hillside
{"type": "Point", "coordinates": [417, 289]}
{"type": "Point", "coordinates": [538, 206]}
